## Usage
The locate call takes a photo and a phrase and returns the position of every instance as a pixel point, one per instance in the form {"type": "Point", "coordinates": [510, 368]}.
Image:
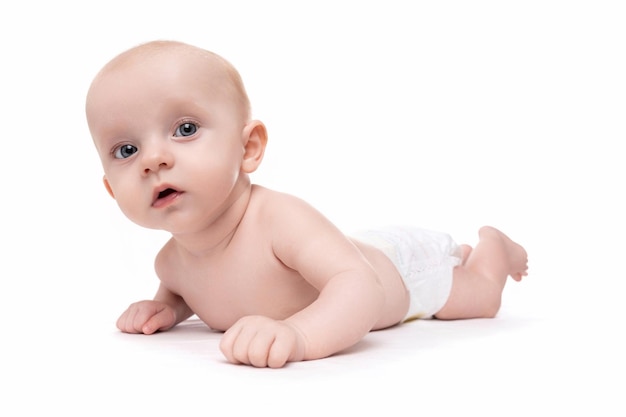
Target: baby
{"type": "Point", "coordinates": [172, 126]}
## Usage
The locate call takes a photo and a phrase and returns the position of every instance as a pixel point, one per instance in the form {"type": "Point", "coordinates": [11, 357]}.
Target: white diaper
{"type": "Point", "coordinates": [425, 260]}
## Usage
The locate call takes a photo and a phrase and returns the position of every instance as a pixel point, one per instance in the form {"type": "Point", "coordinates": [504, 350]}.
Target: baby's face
{"type": "Point", "coordinates": [169, 137]}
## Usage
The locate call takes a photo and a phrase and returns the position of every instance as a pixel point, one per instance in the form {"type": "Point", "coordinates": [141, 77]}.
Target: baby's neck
{"type": "Point", "coordinates": [215, 238]}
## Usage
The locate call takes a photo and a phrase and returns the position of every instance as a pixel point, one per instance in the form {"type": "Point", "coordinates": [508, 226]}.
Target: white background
{"type": "Point", "coordinates": [446, 115]}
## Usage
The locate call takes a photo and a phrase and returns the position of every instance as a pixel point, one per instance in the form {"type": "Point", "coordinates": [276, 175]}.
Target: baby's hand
{"type": "Point", "coordinates": [147, 317]}
{"type": "Point", "coordinates": [260, 341]}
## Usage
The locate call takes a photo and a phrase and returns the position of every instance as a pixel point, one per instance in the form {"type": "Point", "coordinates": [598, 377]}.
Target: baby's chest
{"type": "Point", "coordinates": [221, 294]}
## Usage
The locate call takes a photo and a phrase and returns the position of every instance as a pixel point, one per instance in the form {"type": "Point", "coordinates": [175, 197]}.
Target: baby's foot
{"type": "Point", "coordinates": [517, 256]}
{"type": "Point", "coordinates": [465, 252]}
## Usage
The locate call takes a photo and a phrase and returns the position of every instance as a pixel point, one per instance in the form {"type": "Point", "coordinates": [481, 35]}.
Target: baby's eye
{"type": "Point", "coordinates": [124, 151]}
{"type": "Point", "coordinates": [186, 129]}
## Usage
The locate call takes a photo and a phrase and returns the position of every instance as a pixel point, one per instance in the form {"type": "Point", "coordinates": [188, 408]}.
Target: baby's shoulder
{"type": "Point", "coordinates": [265, 200]}
{"type": "Point", "coordinates": [277, 214]}
{"type": "Point", "coordinates": [166, 258]}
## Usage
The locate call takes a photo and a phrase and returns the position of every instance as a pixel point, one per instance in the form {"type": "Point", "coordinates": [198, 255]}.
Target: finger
{"type": "Point", "coordinates": [280, 352]}
{"type": "Point", "coordinates": [241, 344]}
{"type": "Point", "coordinates": [121, 322]}
{"type": "Point", "coordinates": [259, 349]}
{"type": "Point", "coordinates": [227, 343]}
{"type": "Point", "coordinates": [126, 321]}
{"type": "Point", "coordinates": [161, 320]}
{"type": "Point", "coordinates": [140, 317]}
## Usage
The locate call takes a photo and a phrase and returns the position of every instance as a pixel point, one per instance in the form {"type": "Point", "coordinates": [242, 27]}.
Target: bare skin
{"type": "Point", "coordinates": [479, 281]}
{"type": "Point", "coordinates": [171, 125]}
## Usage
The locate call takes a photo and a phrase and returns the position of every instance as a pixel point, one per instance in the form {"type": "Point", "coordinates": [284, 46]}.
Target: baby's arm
{"type": "Point", "coordinates": [162, 313]}
{"type": "Point", "coordinates": [350, 302]}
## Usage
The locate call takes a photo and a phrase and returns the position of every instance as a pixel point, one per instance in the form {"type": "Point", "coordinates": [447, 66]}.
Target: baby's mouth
{"type": "Point", "coordinates": [165, 193]}
{"type": "Point", "coordinates": [165, 196]}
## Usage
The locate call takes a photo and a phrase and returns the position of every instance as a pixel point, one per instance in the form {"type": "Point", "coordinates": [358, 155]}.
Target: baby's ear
{"type": "Point", "coordinates": [108, 186]}
{"type": "Point", "coordinates": [255, 140]}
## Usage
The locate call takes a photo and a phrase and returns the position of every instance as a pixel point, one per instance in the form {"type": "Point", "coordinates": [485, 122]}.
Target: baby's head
{"type": "Point", "coordinates": [176, 115]}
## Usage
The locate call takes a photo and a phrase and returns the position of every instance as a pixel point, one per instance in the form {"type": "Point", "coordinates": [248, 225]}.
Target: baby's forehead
{"type": "Point", "coordinates": [192, 64]}
{"type": "Point", "coordinates": [152, 57]}
{"type": "Point", "coordinates": [199, 63]}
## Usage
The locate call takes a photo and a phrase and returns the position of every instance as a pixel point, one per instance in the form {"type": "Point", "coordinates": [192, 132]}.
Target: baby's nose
{"type": "Point", "coordinates": [156, 158]}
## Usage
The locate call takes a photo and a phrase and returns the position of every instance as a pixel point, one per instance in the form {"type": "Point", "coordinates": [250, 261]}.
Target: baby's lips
{"type": "Point", "coordinates": [163, 191]}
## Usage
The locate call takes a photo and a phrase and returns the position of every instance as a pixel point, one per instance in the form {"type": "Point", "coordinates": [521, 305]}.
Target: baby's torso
{"type": "Point", "coordinates": [244, 281]}
{"type": "Point", "coordinates": [246, 277]}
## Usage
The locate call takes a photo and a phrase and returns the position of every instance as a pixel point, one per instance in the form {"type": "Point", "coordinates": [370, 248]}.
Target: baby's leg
{"type": "Point", "coordinates": [478, 282]}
